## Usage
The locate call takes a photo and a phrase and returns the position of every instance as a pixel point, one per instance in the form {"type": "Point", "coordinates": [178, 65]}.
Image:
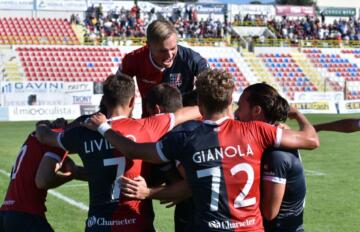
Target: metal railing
{"type": "Point", "coordinates": [307, 43]}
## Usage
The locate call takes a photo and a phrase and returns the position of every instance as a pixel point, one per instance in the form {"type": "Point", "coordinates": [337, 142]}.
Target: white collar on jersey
{"type": "Point", "coordinates": [116, 118]}
{"type": "Point", "coordinates": [153, 63]}
{"type": "Point", "coordinates": [217, 122]}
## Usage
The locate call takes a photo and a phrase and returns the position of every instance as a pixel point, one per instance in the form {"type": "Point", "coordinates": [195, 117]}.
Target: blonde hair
{"type": "Point", "coordinates": [159, 30]}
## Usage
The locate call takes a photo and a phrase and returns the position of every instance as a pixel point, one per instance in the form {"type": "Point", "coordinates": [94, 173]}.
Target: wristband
{"type": "Point", "coordinates": [103, 128]}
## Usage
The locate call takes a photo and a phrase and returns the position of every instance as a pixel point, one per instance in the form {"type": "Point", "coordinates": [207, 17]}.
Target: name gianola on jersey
{"type": "Point", "coordinates": [218, 153]}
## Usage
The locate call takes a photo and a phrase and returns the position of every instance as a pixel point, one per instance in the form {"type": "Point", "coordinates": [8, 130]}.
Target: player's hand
{"type": "Point", "coordinates": [43, 122]}
{"type": "Point", "coordinates": [134, 188]}
{"type": "Point", "coordinates": [293, 112]}
{"type": "Point", "coordinates": [68, 167]}
{"type": "Point", "coordinates": [94, 121]}
{"type": "Point", "coordinates": [282, 126]}
{"type": "Point", "coordinates": [59, 123]}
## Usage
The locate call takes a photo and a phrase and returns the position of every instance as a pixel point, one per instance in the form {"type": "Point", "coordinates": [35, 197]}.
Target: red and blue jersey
{"type": "Point", "coordinates": [108, 210]}
{"type": "Point", "coordinates": [22, 194]}
{"type": "Point", "coordinates": [222, 164]}
{"type": "Point", "coordinates": [187, 64]}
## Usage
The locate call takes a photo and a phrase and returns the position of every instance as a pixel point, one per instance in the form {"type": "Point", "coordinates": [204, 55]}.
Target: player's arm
{"type": "Point", "coordinates": [68, 140]}
{"type": "Point", "coordinates": [185, 114]}
{"type": "Point", "coordinates": [272, 196]}
{"type": "Point", "coordinates": [344, 125]}
{"type": "Point", "coordinates": [51, 173]}
{"type": "Point", "coordinates": [197, 63]}
{"type": "Point", "coordinates": [127, 66]}
{"type": "Point", "coordinates": [137, 188]}
{"type": "Point", "coordinates": [149, 152]}
{"type": "Point", "coordinates": [305, 138]}
{"type": "Point", "coordinates": [131, 149]}
{"type": "Point", "coordinates": [275, 168]}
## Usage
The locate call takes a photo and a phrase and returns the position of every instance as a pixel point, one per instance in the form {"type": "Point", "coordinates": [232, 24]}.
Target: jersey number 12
{"type": "Point", "coordinates": [215, 174]}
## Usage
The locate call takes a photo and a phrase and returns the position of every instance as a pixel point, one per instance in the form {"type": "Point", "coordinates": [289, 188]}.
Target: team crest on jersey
{"type": "Point", "coordinates": [175, 79]}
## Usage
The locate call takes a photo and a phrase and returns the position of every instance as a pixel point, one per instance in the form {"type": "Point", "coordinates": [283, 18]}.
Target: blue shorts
{"type": "Point", "coordinates": [23, 222]}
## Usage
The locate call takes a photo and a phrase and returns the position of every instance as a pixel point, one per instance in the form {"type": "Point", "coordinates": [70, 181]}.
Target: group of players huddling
{"type": "Point", "coordinates": [224, 171]}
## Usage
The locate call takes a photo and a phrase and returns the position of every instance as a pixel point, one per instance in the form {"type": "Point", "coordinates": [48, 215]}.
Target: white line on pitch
{"type": "Point", "coordinates": [73, 185]}
{"type": "Point", "coordinates": [60, 196]}
{"type": "Point", "coordinates": [313, 173]}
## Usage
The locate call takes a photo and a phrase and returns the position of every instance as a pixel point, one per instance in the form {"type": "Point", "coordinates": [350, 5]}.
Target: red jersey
{"type": "Point", "coordinates": [222, 164]}
{"type": "Point", "coordinates": [138, 63]}
{"type": "Point", "coordinates": [22, 194]}
{"type": "Point", "coordinates": [104, 165]}
{"type": "Point", "coordinates": [187, 64]}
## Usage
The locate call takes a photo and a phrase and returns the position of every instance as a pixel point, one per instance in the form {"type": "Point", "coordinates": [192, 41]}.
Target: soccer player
{"type": "Point", "coordinates": [104, 165]}
{"type": "Point", "coordinates": [162, 60]}
{"type": "Point", "coordinates": [221, 156]}
{"type": "Point", "coordinates": [344, 125]}
{"type": "Point", "coordinates": [283, 179]}
{"type": "Point", "coordinates": [35, 170]}
{"type": "Point", "coordinates": [164, 98]}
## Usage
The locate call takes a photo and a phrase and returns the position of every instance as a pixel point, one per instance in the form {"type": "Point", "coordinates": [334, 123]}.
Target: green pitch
{"type": "Point", "coordinates": [333, 186]}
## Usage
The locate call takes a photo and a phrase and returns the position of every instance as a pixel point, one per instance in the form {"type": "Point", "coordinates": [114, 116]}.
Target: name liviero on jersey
{"type": "Point", "coordinates": [218, 153]}
{"type": "Point", "coordinates": [97, 145]}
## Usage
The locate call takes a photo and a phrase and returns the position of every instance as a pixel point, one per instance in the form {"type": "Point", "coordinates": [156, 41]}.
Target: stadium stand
{"type": "Point", "coordinates": [338, 68]}
{"type": "Point", "coordinates": [68, 63]}
{"type": "Point", "coordinates": [259, 70]}
{"type": "Point", "coordinates": [14, 30]}
{"type": "Point", "coordinates": [287, 73]}
{"type": "Point", "coordinates": [228, 59]}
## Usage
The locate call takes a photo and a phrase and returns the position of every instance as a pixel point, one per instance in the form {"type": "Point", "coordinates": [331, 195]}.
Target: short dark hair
{"type": "Point", "coordinates": [118, 89]}
{"type": "Point", "coordinates": [273, 105]}
{"type": "Point", "coordinates": [190, 98]}
{"type": "Point", "coordinates": [164, 95]}
{"type": "Point", "coordinates": [215, 88]}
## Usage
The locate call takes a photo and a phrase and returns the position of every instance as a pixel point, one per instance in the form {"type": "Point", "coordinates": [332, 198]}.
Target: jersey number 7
{"type": "Point", "coordinates": [120, 163]}
{"type": "Point", "coordinates": [215, 173]}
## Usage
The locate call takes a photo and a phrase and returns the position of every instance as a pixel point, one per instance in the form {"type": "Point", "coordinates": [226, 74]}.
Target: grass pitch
{"type": "Point", "coordinates": [332, 174]}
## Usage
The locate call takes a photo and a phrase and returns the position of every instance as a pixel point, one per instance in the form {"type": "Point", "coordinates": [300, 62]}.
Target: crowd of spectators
{"type": "Point", "coordinates": [117, 22]}
{"type": "Point", "coordinates": [189, 25]}
{"type": "Point", "coordinates": [314, 28]}
{"type": "Point", "coordinates": [132, 23]}
{"type": "Point", "coordinates": [250, 20]}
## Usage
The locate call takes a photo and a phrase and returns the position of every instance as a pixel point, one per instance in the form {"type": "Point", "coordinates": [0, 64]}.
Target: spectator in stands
{"type": "Point", "coordinates": [312, 28]}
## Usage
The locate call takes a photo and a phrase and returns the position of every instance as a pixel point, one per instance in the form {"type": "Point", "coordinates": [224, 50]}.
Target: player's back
{"type": "Point", "coordinates": [104, 165]}
{"type": "Point", "coordinates": [222, 163]}
{"type": "Point", "coordinates": [22, 194]}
